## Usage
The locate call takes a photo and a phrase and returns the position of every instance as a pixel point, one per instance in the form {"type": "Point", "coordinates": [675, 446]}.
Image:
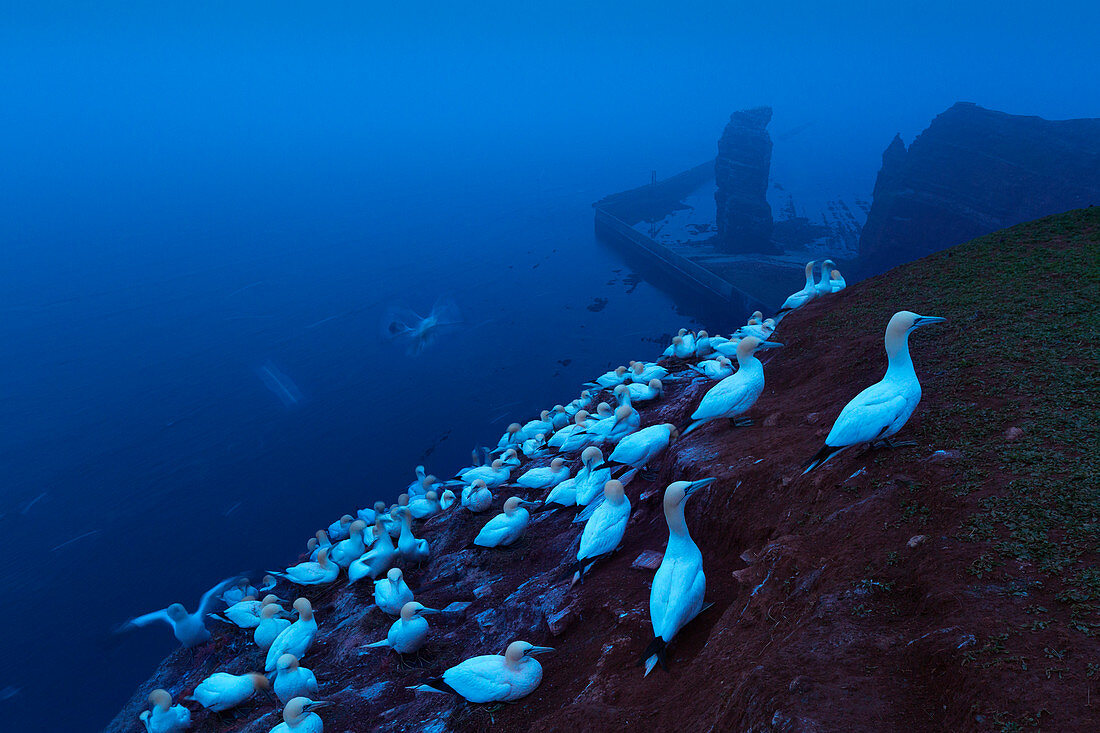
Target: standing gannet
{"type": "Point", "coordinates": [447, 500]}
{"type": "Point", "coordinates": [533, 446]}
{"type": "Point", "coordinates": [645, 392]}
{"type": "Point", "coordinates": [242, 587]}
{"type": "Point", "coordinates": [408, 633]}
{"type": "Point", "coordinates": [824, 286]}
{"type": "Point", "coordinates": [546, 477]}
{"type": "Point", "coordinates": [299, 716]}
{"type": "Point", "coordinates": [735, 394]}
{"type": "Point", "coordinates": [377, 560]}
{"type": "Point", "coordinates": [837, 281]}
{"type": "Point", "coordinates": [719, 368]}
{"type": "Point", "coordinates": [409, 548]}
{"type": "Point", "coordinates": [311, 573]}
{"type": "Point", "coordinates": [477, 497]}
{"type": "Point", "coordinates": [639, 448]}
{"type": "Point", "coordinates": [189, 628]}
{"type": "Point", "coordinates": [506, 528]}
{"type": "Point", "coordinates": [642, 372]}
{"type": "Point", "coordinates": [346, 551]}
{"type": "Point", "coordinates": [802, 297]}
{"type": "Point", "coordinates": [221, 691]}
{"type": "Point", "coordinates": [880, 411]}
{"type": "Point", "coordinates": [322, 543]}
{"type": "Point", "coordinates": [392, 592]}
{"type": "Point", "coordinates": [590, 479]}
{"type": "Point", "coordinates": [340, 529]}
{"type": "Point", "coordinates": [512, 436]}
{"type": "Point", "coordinates": [295, 639]}
{"type": "Point", "coordinates": [425, 506]}
{"type": "Point", "coordinates": [292, 680]}
{"type": "Point", "coordinates": [702, 344]}
{"type": "Point", "coordinates": [163, 716]}
{"type": "Point", "coordinates": [604, 529]}
{"type": "Point", "coordinates": [678, 587]}
{"type": "Point", "coordinates": [421, 474]}
{"type": "Point", "coordinates": [492, 677]}
{"type": "Point", "coordinates": [270, 626]}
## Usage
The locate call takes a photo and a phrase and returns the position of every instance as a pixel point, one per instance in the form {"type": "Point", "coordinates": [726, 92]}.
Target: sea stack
{"type": "Point", "coordinates": [741, 175]}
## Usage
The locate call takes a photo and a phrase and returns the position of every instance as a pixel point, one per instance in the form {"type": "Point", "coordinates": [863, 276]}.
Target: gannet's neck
{"type": "Point", "coordinates": [810, 275]}
{"type": "Point", "coordinates": [748, 362]}
{"type": "Point", "coordinates": [677, 526]}
{"type": "Point", "coordinates": [897, 352]}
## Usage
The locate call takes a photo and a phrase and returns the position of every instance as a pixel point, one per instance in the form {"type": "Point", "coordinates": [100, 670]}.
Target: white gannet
{"type": "Point", "coordinates": [678, 587]}
{"type": "Point", "coordinates": [269, 627]}
{"type": "Point", "coordinates": [735, 394]}
{"type": "Point", "coordinates": [755, 319]}
{"type": "Point", "coordinates": [392, 592]}
{"type": "Point", "coordinates": [375, 561]}
{"type": "Point", "coordinates": [346, 551]}
{"type": "Point", "coordinates": [447, 500]}
{"type": "Point", "coordinates": [581, 403]}
{"type": "Point", "coordinates": [546, 477]}
{"type": "Point", "coordinates": [719, 368]}
{"type": "Point", "coordinates": [569, 433]}
{"type": "Point", "coordinates": [802, 297]}
{"type": "Point", "coordinates": [492, 677]}
{"type": "Point", "coordinates": [299, 716]}
{"type": "Point", "coordinates": [702, 345]}
{"type": "Point", "coordinates": [241, 587]}
{"type": "Point", "coordinates": [540, 425]}
{"type": "Point", "coordinates": [245, 614]}
{"type": "Point", "coordinates": [824, 286]}
{"type": "Point", "coordinates": [604, 529]}
{"type": "Point", "coordinates": [477, 497]}
{"type": "Point", "coordinates": [603, 411]}
{"type": "Point", "coordinates": [590, 479]}
{"type": "Point", "coordinates": [295, 639]}
{"type": "Point", "coordinates": [510, 457]}
{"type": "Point", "coordinates": [409, 548]}
{"type": "Point", "coordinates": [494, 475]}
{"type": "Point", "coordinates": [837, 281]}
{"type": "Point", "coordinates": [512, 436]}
{"type": "Point", "coordinates": [562, 495]}
{"type": "Point", "coordinates": [425, 506]}
{"type": "Point", "coordinates": [612, 378]}
{"type": "Point", "coordinates": [642, 372]}
{"type": "Point", "coordinates": [645, 392]}
{"type": "Point", "coordinates": [611, 430]}
{"type": "Point", "coordinates": [189, 628]}
{"type": "Point", "coordinates": [293, 680]}
{"type": "Point", "coordinates": [370, 516]}
{"type": "Point", "coordinates": [419, 488]}
{"type": "Point", "coordinates": [505, 528]}
{"type": "Point", "coordinates": [311, 573]}
{"type": "Point", "coordinates": [639, 448]}
{"type": "Point", "coordinates": [340, 529]}
{"type": "Point", "coordinates": [672, 347]}
{"type": "Point", "coordinates": [269, 583]}
{"type": "Point", "coordinates": [762, 331]}
{"type": "Point", "coordinates": [880, 411]}
{"type": "Point", "coordinates": [408, 633]}
{"type": "Point", "coordinates": [728, 348]}
{"type": "Point", "coordinates": [688, 343]}
{"type": "Point", "coordinates": [222, 691]}
{"type": "Point", "coordinates": [421, 474]}
{"type": "Point", "coordinates": [559, 418]}
{"type": "Point", "coordinates": [533, 446]}
{"type": "Point", "coordinates": [163, 716]}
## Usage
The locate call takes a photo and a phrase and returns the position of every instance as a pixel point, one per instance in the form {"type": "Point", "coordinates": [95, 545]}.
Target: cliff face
{"type": "Point", "coordinates": [949, 585]}
{"type": "Point", "coordinates": [974, 171]}
{"type": "Point", "coordinates": [741, 174]}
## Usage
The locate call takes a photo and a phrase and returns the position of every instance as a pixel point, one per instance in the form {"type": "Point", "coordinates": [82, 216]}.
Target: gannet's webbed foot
{"type": "Point", "coordinates": [740, 422]}
{"type": "Point", "coordinates": [888, 443]}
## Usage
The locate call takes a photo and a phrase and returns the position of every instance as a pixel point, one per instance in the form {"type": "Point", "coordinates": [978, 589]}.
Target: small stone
{"type": "Point", "coordinates": [648, 560]}
{"type": "Point", "coordinates": [771, 420]}
{"type": "Point", "coordinates": [749, 557]}
{"type": "Point", "coordinates": [813, 417]}
{"type": "Point", "coordinates": [560, 621]}
{"type": "Point", "coordinates": [1013, 433]}
{"type": "Point", "coordinates": [746, 576]}
{"type": "Point", "coordinates": [800, 684]}
{"type": "Point", "coordinates": [916, 540]}
{"type": "Point", "coordinates": [941, 456]}
{"type": "Point", "coordinates": [483, 590]}
{"type": "Point", "coordinates": [456, 608]}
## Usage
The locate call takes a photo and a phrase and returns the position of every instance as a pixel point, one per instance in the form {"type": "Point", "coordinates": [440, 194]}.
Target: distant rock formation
{"type": "Point", "coordinates": [741, 175]}
{"type": "Point", "coordinates": [974, 171]}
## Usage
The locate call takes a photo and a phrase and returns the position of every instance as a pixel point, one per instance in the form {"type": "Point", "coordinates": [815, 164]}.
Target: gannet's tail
{"type": "Point", "coordinates": [653, 655]}
{"type": "Point", "coordinates": [826, 452]}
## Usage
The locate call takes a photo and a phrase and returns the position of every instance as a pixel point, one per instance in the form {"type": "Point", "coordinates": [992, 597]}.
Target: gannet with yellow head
{"type": "Point", "coordinates": [299, 716]}
{"type": "Point", "coordinates": [377, 560]}
{"type": "Point", "coordinates": [392, 592]}
{"type": "Point", "coordinates": [311, 572]}
{"type": "Point", "coordinates": [292, 680]}
{"type": "Point", "coordinates": [507, 527]}
{"type": "Point", "coordinates": [295, 639]}
{"type": "Point", "coordinates": [410, 549]}
{"type": "Point", "coordinates": [640, 448]}
{"type": "Point", "coordinates": [492, 677]}
{"type": "Point", "coordinates": [802, 297]}
{"type": "Point", "coordinates": [408, 633]}
{"type": "Point", "coordinates": [738, 392]}
{"type": "Point", "coordinates": [547, 477]}
{"type": "Point", "coordinates": [188, 628]}
{"type": "Point", "coordinates": [604, 530]}
{"type": "Point", "coordinates": [221, 691]}
{"type": "Point", "coordinates": [270, 626]}
{"type": "Point", "coordinates": [163, 716]}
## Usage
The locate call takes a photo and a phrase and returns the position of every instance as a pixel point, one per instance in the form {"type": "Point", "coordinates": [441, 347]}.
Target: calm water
{"type": "Point", "coordinates": [145, 458]}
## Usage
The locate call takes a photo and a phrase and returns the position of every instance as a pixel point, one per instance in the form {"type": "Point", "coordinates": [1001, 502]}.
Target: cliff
{"type": "Point", "coordinates": [974, 171]}
{"type": "Point", "coordinates": [744, 217]}
{"type": "Point", "coordinates": [950, 585]}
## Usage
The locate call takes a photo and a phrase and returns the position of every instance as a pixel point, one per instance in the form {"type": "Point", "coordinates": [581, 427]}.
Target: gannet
{"type": "Point", "coordinates": [546, 477]}
{"type": "Point", "coordinates": [370, 516]}
{"type": "Point", "coordinates": [676, 340]}
{"type": "Point", "coordinates": [292, 680]}
{"type": "Point", "coordinates": [559, 418]}
{"type": "Point", "coordinates": [409, 548]}
{"type": "Point", "coordinates": [645, 392]}
{"type": "Point", "coordinates": [880, 411]}
{"type": "Point", "coordinates": [590, 479]}
{"type": "Point", "coordinates": [494, 475]}
{"type": "Point", "coordinates": [678, 587]}
{"type": "Point", "coordinates": [562, 495]}
{"type": "Point", "coordinates": [533, 446]}
{"type": "Point", "coordinates": [323, 543]}
{"type": "Point", "coordinates": [269, 627]}
{"type": "Point", "coordinates": [421, 487]}
{"type": "Point", "coordinates": [802, 297]}
{"type": "Point", "coordinates": [345, 552]}
{"type": "Point", "coordinates": [241, 587]}
{"type": "Point", "coordinates": [837, 281]}
{"type": "Point", "coordinates": [245, 614]}
{"type": "Point", "coordinates": [512, 436]}
{"type": "Point", "coordinates": [603, 411]}
{"type": "Point", "coordinates": [504, 529]}
{"type": "Point", "coordinates": [612, 430]}
{"type": "Point", "coordinates": [222, 691]}
{"type": "Point", "coordinates": [686, 347]}
{"type": "Point", "coordinates": [421, 474]}
{"type": "Point", "coordinates": [735, 394]}
{"type": "Point", "coordinates": [447, 500]}
{"type": "Point", "coordinates": [392, 592]}
{"type": "Point", "coordinates": [571, 437]}
{"type": "Point", "coordinates": [762, 331]}
{"type": "Point", "coordinates": [510, 457]}
{"type": "Point", "coordinates": [719, 368]}
{"type": "Point", "coordinates": [492, 677]}
{"type": "Point", "coordinates": [163, 716]}
{"type": "Point", "coordinates": [612, 378]}
{"type": "Point", "coordinates": [377, 561]}
{"type": "Point", "coordinates": [340, 529]}
{"type": "Point", "coordinates": [295, 639]}
{"type": "Point", "coordinates": [728, 348]}
{"type": "Point", "coordinates": [639, 448]}
{"type": "Point", "coordinates": [581, 403]}
{"type": "Point", "coordinates": [824, 286]}
{"type": "Point", "coordinates": [477, 497]}
{"type": "Point", "coordinates": [425, 506]}
{"type": "Point", "coordinates": [755, 319]}
{"type": "Point", "coordinates": [643, 372]}
{"type": "Point", "coordinates": [408, 633]}
{"type": "Point", "coordinates": [702, 344]}
{"type": "Point", "coordinates": [299, 716]}
{"type": "Point", "coordinates": [189, 628]}
{"type": "Point", "coordinates": [604, 529]}
{"type": "Point", "coordinates": [269, 583]}
{"type": "Point", "coordinates": [311, 573]}
{"type": "Point", "coordinates": [540, 425]}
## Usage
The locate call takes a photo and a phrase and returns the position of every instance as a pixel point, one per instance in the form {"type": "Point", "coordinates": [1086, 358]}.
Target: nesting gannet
{"type": "Point", "coordinates": [494, 475]}
{"type": "Point", "coordinates": [837, 281]}
{"type": "Point", "coordinates": [562, 495]}
{"type": "Point", "coordinates": [189, 628]}
{"type": "Point", "coordinates": [311, 573]}
{"type": "Point", "coordinates": [241, 588]}
{"type": "Point", "coordinates": [345, 552]}
{"type": "Point", "coordinates": [425, 506]}
{"type": "Point", "coordinates": [591, 477]}
{"type": "Point", "coordinates": [612, 378]}
{"type": "Point", "coordinates": [377, 560]}
{"type": "Point", "coordinates": [643, 372]}
{"type": "Point", "coordinates": [571, 437]}
{"type": "Point", "coordinates": [540, 425]}
{"type": "Point", "coordinates": [477, 497]}
{"type": "Point", "coordinates": [512, 436]}
{"type": "Point", "coordinates": [735, 394]}
{"type": "Point", "coordinates": [245, 614]}
{"type": "Point", "coordinates": [409, 548]}
{"type": "Point", "coordinates": [604, 529]}
{"type": "Point", "coordinates": [322, 543]}
{"type": "Point", "coordinates": [802, 297]}
{"type": "Point", "coordinates": [163, 716]}
{"type": "Point", "coordinates": [639, 448]}
{"type": "Point", "coordinates": [625, 421]}
{"type": "Point", "coordinates": [295, 639]}
{"type": "Point", "coordinates": [678, 587]}
{"type": "Point", "coordinates": [824, 286]}
{"type": "Point", "coordinates": [447, 500]}
{"type": "Point", "coordinates": [728, 348]}
{"type": "Point", "coordinates": [421, 487]}
{"type": "Point", "coordinates": [646, 392]}
{"type": "Point", "coordinates": [755, 319]}
{"type": "Point", "coordinates": [408, 633]}
{"type": "Point", "coordinates": [392, 592]}
{"type": "Point", "coordinates": [685, 347]}
{"type": "Point", "coordinates": [719, 368]}
{"type": "Point", "coordinates": [510, 457]}
{"type": "Point", "coordinates": [534, 446]}
{"type": "Point", "coordinates": [269, 626]}
{"type": "Point", "coordinates": [762, 331]}
{"type": "Point", "coordinates": [581, 403]}
{"type": "Point", "coordinates": [880, 411]}
{"type": "Point", "coordinates": [492, 677]}
{"type": "Point", "coordinates": [546, 477]}
{"type": "Point", "coordinates": [299, 716]}
{"type": "Point", "coordinates": [507, 527]}
{"type": "Point", "coordinates": [293, 680]}
{"type": "Point", "coordinates": [702, 344]}
{"type": "Point", "coordinates": [340, 529]}
{"type": "Point", "coordinates": [371, 515]}
{"type": "Point", "coordinates": [222, 691]}
{"type": "Point", "coordinates": [603, 411]}
{"type": "Point", "coordinates": [677, 340]}
{"type": "Point", "coordinates": [269, 583]}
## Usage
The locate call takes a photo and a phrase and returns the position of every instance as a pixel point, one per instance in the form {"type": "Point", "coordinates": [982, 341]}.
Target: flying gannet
{"type": "Point", "coordinates": [735, 394]}
{"type": "Point", "coordinates": [189, 628]}
{"type": "Point", "coordinates": [492, 677]}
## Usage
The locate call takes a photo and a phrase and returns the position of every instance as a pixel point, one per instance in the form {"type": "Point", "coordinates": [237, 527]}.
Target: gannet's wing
{"type": "Point", "coordinates": [865, 417]}
{"type": "Point", "coordinates": [446, 312]}
{"type": "Point", "coordinates": [208, 597]}
{"type": "Point", "coordinates": [161, 615]}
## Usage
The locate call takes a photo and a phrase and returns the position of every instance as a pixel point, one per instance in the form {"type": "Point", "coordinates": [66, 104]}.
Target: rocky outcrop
{"type": "Point", "coordinates": [741, 175]}
{"type": "Point", "coordinates": [974, 171]}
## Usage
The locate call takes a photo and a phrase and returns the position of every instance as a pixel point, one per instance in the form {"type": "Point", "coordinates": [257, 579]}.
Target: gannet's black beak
{"type": "Point", "coordinates": [312, 705]}
{"type": "Point", "coordinates": [539, 650]}
{"type": "Point", "coordinates": [927, 321]}
{"type": "Point", "coordinates": [696, 485]}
